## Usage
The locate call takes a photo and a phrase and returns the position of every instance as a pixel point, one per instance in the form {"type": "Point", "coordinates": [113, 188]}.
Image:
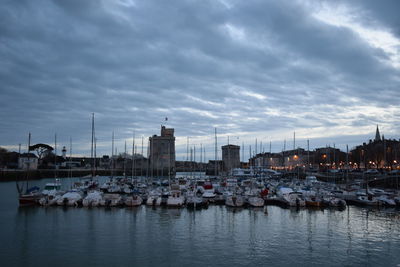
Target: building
{"type": "Point", "coordinates": [162, 152]}
{"type": "Point", "coordinates": [28, 161]}
{"type": "Point", "coordinates": [267, 160]}
{"type": "Point", "coordinates": [295, 158]}
{"type": "Point", "coordinates": [231, 157]}
{"type": "Point", "coordinates": [377, 153]}
{"type": "Point", "coordinates": [330, 158]}
{"type": "Point", "coordinates": [214, 167]}
{"type": "Point", "coordinates": [289, 159]}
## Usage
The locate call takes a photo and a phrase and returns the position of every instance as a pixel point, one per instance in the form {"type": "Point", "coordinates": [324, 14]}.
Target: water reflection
{"type": "Point", "coordinates": [215, 236]}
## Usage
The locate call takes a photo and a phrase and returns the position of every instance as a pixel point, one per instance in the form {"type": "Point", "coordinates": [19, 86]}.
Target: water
{"type": "Point", "coordinates": [143, 236]}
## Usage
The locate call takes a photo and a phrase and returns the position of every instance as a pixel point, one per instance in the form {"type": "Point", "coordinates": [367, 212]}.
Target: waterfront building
{"type": "Point", "coordinates": [377, 153]}
{"type": "Point", "coordinates": [288, 159]}
{"type": "Point", "coordinates": [330, 158]}
{"type": "Point", "coordinates": [214, 166]}
{"type": "Point", "coordinates": [268, 160]}
{"type": "Point", "coordinates": [28, 161]}
{"type": "Point", "coordinates": [162, 152]}
{"type": "Point", "coordinates": [231, 157]}
{"type": "Point", "coordinates": [295, 158]}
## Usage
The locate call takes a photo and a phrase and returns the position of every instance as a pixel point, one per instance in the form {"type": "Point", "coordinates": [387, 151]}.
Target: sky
{"type": "Point", "coordinates": [327, 70]}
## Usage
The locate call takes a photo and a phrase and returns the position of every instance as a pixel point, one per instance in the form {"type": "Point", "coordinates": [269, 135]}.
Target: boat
{"type": "Point", "coordinates": [133, 201]}
{"type": "Point", "coordinates": [256, 201]}
{"type": "Point", "coordinates": [154, 198]}
{"type": "Point", "coordinates": [219, 199]}
{"type": "Point", "coordinates": [295, 199]}
{"type": "Point", "coordinates": [71, 198]}
{"type": "Point", "coordinates": [332, 201]}
{"type": "Point", "coordinates": [111, 200]}
{"type": "Point", "coordinates": [31, 197]}
{"type": "Point", "coordinates": [290, 197]}
{"type": "Point", "coordinates": [194, 201]}
{"type": "Point", "coordinates": [311, 179]}
{"type": "Point", "coordinates": [92, 199]}
{"type": "Point", "coordinates": [209, 194]}
{"type": "Point", "coordinates": [234, 201]}
{"type": "Point", "coordinates": [313, 201]}
{"type": "Point", "coordinates": [175, 199]}
{"type": "Point", "coordinates": [384, 200]}
{"type": "Point", "coordinates": [51, 198]}
{"type": "Point", "coordinates": [366, 201]}
{"type": "Point", "coordinates": [51, 188]}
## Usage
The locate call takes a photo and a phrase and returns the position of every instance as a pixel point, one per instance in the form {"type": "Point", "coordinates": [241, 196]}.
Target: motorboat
{"type": "Point", "coordinates": [175, 199]}
{"type": "Point", "coordinates": [256, 201]}
{"type": "Point", "coordinates": [154, 198]}
{"type": "Point", "coordinates": [234, 201]}
{"type": "Point", "coordinates": [384, 200]}
{"type": "Point", "coordinates": [367, 200]}
{"type": "Point", "coordinates": [313, 201]}
{"type": "Point", "coordinates": [92, 199]}
{"type": "Point", "coordinates": [71, 198]}
{"type": "Point", "coordinates": [133, 200]}
{"type": "Point", "coordinates": [51, 198]}
{"type": "Point", "coordinates": [51, 188]}
{"type": "Point", "coordinates": [332, 201]}
{"type": "Point", "coordinates": [111, 200]}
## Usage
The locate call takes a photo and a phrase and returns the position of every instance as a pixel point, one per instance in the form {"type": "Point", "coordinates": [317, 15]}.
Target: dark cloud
{"type": "Point", "coordinates": [250, 68]}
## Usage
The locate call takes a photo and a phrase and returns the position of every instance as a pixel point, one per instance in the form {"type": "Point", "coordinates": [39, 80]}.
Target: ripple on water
{"type": "Point", "coordinates": [215, 236]}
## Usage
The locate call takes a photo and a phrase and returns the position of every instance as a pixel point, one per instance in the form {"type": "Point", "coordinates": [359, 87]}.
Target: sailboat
{"type": "Point", "coordinates": [31, 195]}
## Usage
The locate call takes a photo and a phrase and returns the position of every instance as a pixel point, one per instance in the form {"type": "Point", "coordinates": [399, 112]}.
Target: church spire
{"type": "Point", "coordinates": [377, 135]}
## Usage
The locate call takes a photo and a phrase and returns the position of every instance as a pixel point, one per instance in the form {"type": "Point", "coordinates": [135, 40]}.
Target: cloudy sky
{"type": "Point", "coordinates": [328, 70]}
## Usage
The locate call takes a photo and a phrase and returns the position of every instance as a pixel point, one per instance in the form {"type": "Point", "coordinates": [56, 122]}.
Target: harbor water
{"type": "Point", "coordinates": [217, 236]}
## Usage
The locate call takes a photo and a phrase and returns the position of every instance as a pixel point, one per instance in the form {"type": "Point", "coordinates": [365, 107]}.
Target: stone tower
{"type": "Point", "coordinates": [162, 152]}
{"type": "Point", "coordinates": [231, 157]}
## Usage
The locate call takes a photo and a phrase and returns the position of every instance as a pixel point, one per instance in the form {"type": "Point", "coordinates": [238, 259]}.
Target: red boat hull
{"type": "Point", "coordinates": [28, 200]}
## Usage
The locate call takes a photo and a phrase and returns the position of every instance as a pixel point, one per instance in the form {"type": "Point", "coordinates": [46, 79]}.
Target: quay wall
{"type": "Point", "coordinates": [21, 175]}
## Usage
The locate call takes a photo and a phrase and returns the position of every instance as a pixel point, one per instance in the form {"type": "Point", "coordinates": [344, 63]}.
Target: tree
{"type": "Point", "coordinates": [41, 149]}
{"type": "Point", "coordinates": [3, 154]}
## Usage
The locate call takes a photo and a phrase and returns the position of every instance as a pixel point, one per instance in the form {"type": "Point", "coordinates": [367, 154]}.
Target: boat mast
{"type": "Point", "coordinates": [92, 148]}
{"type": "Point", "coordinates": [70, 159]}
{"type": "Point", "coordinates": [308, 153]}
{"type": "Point", "coordinates": [229, 158]}
{"type": "Point", "coordinates": [29, 161]}
{"type": "Point", "coordinates": [133, 155]}
{"type": "Point", "coordinates": [215, 166]}
{"type": "Point", "coordinates": [191, 163]}
{"type": "Point", "coordinates": [194, 161]}
{"type": "Point", "coordinates": [125, 161]}
{"type": "Point", "coordinates": [141, 165]}
{"type": "Point", "coordinates": [95, 155]}
{"type": "Point", "coordinates": [242, 151]}
{"type": "Point", "coordinates": [347, 164]}
{"type": "Point", "coordinates": [112, 155]}
{"type": "Point", "coordinates": [55, 156]}
{"type": "Point", "coordinates": [201, 158]}
{"type": "Point", "coordinates": [169, 164]}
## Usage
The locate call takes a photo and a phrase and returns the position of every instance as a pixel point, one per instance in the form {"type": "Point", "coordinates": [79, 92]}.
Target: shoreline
{"type": "Point", "coordinates": [20, 175]}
